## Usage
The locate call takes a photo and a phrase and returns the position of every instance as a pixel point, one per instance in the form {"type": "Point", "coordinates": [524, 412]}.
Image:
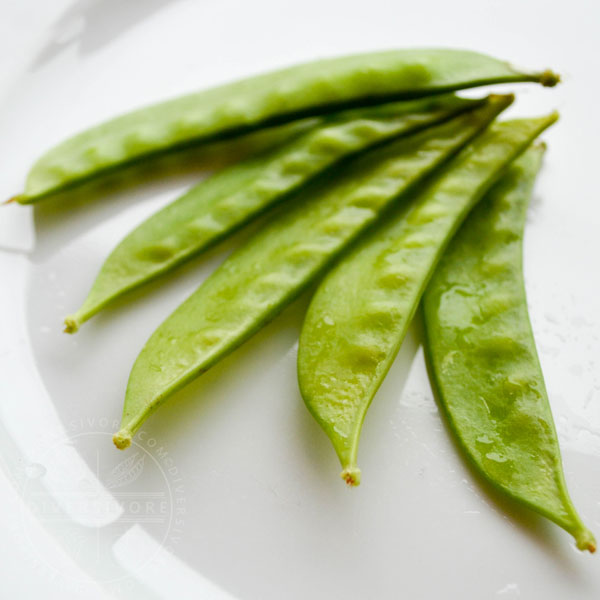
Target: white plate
{"type": "Point", "coordinates": [232, 490]}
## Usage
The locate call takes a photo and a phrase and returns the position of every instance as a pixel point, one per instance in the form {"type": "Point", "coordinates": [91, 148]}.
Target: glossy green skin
{"type": "Point", "coordinates": [257, 281]}
{"type": "Point", "coordinates": [360, 313]}
{"type": "Point", "coordinates": [280, 96]}
{"type": "Point", "coordinates": [483, 357]}
{"type": "Point", "coordinates": [220, 205]}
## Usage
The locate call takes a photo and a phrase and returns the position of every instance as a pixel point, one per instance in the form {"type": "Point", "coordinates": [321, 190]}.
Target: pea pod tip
{"type": "Point", "coordinates": [11, 200]}
{"type": "Point", "coordinates": [549, 78]}
{"type": "Point", "coordinates": [351, 475]}
{"type": "Point", "coordinates": [585, 540]}
{"type": "Point", "coordinates": [122, 439]}
{"type": "Point", "coordinates": [71, 325]}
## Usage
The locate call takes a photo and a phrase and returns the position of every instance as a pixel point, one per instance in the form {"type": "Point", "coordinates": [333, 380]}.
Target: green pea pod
{"type": "Point", "coordinates": [280, 96]}
{"type": "Point", "coordinates": [360, 313]}
{"type": "Point", "coordinates": [483, 358]}
{"type": "Point", "coordinates": [257, 281]}
{"type": "Point", "coordinates": [220, 205]}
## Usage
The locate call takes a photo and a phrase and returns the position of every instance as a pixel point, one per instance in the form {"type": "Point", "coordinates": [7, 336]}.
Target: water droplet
{"type": "Point", "coordinates": [328, 320]}
{"type": "Point", "coordinates": [340, 432]}
{"type": "Point", "coordinates": [496, 457]}
{"type": "Point", "coordinates": [487, 408]}
{"type": "Point", "coordinates": [484, 439]}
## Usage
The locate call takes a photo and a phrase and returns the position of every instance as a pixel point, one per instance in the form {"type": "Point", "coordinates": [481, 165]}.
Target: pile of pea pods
{"type": "Point", "coordinates": [391, 191]}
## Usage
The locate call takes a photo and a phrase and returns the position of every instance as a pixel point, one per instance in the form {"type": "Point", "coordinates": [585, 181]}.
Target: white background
{"type": "Point", "coordinates": [267, 516]}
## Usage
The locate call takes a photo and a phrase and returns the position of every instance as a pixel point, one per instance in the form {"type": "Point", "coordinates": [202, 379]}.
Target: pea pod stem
{"type": "Point", "coordinates": [360, 312]}
{"type": "Point", "coordinates": [272, 98]}
{"type": "Point", "coordinates": [217, 207]}
{"type": "Point", "coordinates": [257, 281]}
{"type": "Point", "coordinates": [482, 356]}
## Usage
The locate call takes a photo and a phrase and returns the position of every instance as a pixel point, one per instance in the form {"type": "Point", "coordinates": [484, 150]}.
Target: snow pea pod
{"type": "Point", "coordinates": [483, 358]}
{"type": "Point", "coordinates": [359, 315]}
{"type": "Point", "coordinates": [276, 97]}
{"type": "Point", "coordinates": [220, 205]}
{"type": "Point", "coordinates": [258, 280]}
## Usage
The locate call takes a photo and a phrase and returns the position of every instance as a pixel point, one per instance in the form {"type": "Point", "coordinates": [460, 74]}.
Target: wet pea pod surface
{"type": "Point", "coordinates": [483, 356]}
{"type": "Point", "coordinates": [361, 311]}
{"type": "Point", "coordinates": [272, 269]}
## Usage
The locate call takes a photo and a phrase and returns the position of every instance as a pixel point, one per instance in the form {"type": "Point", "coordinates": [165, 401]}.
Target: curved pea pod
{"type": "Point", "coordinates": [262, 277]}
{"type": "Point", "coordinates": [222, 204]}
{"type": "Point", "coordinates": [483, 359]}
{"type": "Point", "coordinates": [359, 315]}
{"type": "Point", "coordinates": [276, 97]}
